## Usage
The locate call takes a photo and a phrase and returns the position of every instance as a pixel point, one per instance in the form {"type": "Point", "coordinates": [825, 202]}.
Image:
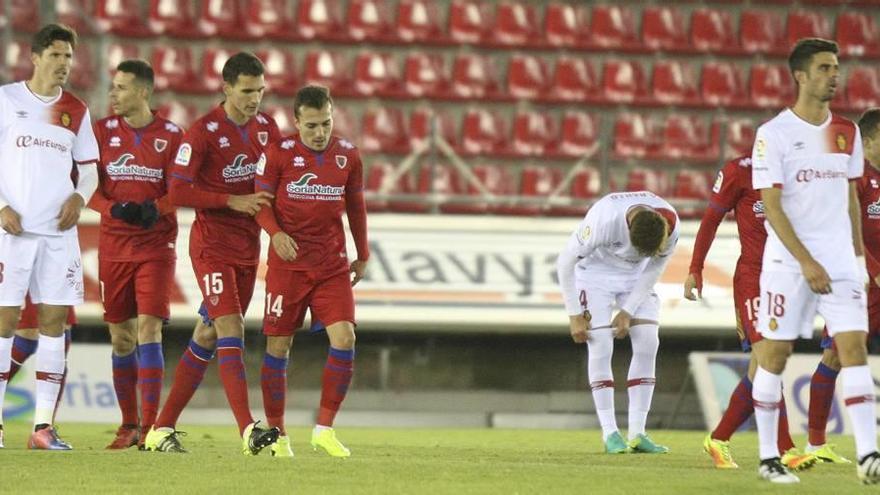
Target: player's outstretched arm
{"type": "Point", "coordinates": [815, 273]}
{"type": "Point", "coordinates": [712, 218]}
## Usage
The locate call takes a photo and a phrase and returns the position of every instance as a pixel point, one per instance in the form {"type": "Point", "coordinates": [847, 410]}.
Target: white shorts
{"type": "Point", "coordinates": [47, 267]}
{"type": "Point", "coordinates": [788, 307]}
{"type": "Point", "coordinates": [603, 295]}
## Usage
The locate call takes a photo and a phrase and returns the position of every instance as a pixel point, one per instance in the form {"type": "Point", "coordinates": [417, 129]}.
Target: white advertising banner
{"type": "Point", "coordinates": [717, 374]}
{"type": "Point", "coordinates": [468, 273]}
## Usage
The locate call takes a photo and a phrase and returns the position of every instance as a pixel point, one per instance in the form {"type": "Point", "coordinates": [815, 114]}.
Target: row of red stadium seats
{"type": "Point", "coordinates": [534, 190]}
{"type": "Point", "coordinates": [474, 76]}
{"type": "Point", "coordinates": [510, 23]}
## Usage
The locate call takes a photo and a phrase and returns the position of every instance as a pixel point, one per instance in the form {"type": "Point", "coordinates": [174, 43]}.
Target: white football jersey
{"type": "Point", "coordinates": [602, 238]}
{"type": "Point", "coordinates": [812, 165]}
{"type": "Point", "coordinates": [40, 142]}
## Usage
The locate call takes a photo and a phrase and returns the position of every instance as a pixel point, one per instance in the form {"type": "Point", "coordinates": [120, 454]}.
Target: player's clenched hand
{"type": "Point", "coordinates": [10, 220]}
{"type": "Point", "coordinates": [359, 268]}
{"type": "Point", "coordinates": [579, 326]}
{"type": "Point", "coordinates": [816, 276]}
{"type": "Point", "coordinates": [70, 211]}
{"type": "Point", "coordinates": [249, 203]}
{"type": "Point", "coordinates": [284, 246]}
{"type": "Point", "coordinates": [620, 324]}
{"type": "Point", "coordinates": [694, 281]}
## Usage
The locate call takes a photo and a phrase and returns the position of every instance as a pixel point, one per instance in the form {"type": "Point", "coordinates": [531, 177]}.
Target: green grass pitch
{"type": "Point", "coordinates": [405, 461]}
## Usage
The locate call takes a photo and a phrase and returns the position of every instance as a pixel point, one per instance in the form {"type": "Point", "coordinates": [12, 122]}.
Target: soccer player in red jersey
{"type": "Point", "coordinates": [733, 191]}
{"type": "Point", "coordinates": [214, 173]}
{"type": "Point", "coordinates": [315, 177]}
{"type": "Point", "coordinates": [136, 254]}
{"type": "Point", "coordinates": [869, 199]}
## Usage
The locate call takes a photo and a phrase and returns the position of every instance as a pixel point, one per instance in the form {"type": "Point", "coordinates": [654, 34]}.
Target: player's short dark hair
{"type": "Point", "coordinates": [312, 96]}
{"type": "Point", "coordinates": [803, 51]}
{"type": "Point", "coordinates": [140, 69]}
{"type": "Point", "coordinates": [242, 63]}
{"type": "Point", "coordinates": [869, 123]}
{"type": "Point", "coordinates": [648, 232]}
{"type": "Point", "coordinates": [50, 33]}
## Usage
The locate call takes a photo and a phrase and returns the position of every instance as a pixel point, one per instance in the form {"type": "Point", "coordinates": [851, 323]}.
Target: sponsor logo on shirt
{"type": "Point", "coordinates": [287, 144]}
{"type": "Point", "coordinates": [123, 169]}
{"type": "Point", "coordinates": [262, 119]}
{"type": "Point", "coordinates": [799, 146]}
{"type": "Point", "coordinates": [719, 181]}
{"type": "Point", "coordinates": [31, 141]}
{"type": "Point", "coordinates": [346, 144]}
{"type": "Point", "coordinates": [212, 126]}
{"type": "Point", "coordinates": [760, 148]}
{"type": "Point", "coordinates": [184, 153]}
{"type": "Point", "coordinates": [115, 142]}
{"type": "Point", "coordinates": [874, 209]}
{"type": "Point", "coordinates": [21, 114]}
{"type": "Point", "coordinates": [758, 208]}
{"type": "Point", "coordinates": [299, 161]}
{"type": "Point", "coordinates": [238, 170]}
{"type": "Point", "coordinates": [304, 189]}
{"type": "Point", "coordinates": [224, 142]}
{"type": "Point", "coordinates": [811, 174]}
{"type": "Point", "coordinates": [170, 127]}
{"type": "Point", "coordinates": [112, 123]}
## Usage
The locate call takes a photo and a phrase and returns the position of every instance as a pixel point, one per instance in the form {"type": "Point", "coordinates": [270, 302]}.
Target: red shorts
{"type": "Point", "coordinates": [132, 288]}
{"type": "Point", "coordinates": [289, 293]}
{"type": "Point", "coordinates": [226, 288]}
{"type": "Point", "coordinates": [746, 296]}
{"type": "Point", "coordinates": [29, 319]}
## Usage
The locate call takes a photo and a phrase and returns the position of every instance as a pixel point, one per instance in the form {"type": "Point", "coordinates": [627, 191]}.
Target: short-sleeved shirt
{"type": "Point", "coordinates": [812, 164]}
{"type": "Point", "coordinates": [40, 141]}
{"type": "Point", "coordinates": [733, 191]}
{"type": "Point", "coordinates": [869, 199]}
{"type": "Point", "coordinates": [220, 156]}
{"type": "Point", "coordinates": [134, 167]}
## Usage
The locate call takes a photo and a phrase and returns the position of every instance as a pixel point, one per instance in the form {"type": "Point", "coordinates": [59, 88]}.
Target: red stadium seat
{"type": "Point", "coordinates": [642, 179]}
{"type": "Point", "coordinates": [536, 183]}
{"type": "Point", "coordinates": [379, 181]}
{"type": "Point", "coordinates": [689, 138]}
{"type": "Point", "coordinates": [674, 82]}
{"type": "Point", "coordinates": [182, 114]}
{"type": "Point", "coordinates": [425, 75]}
{"type": "Point", "coordinates": [721, 84]}
{"type": "Point", "coordinates": [712, 30]}
{"type": "Point", "coordinates": [83, 74]}
{"type": "Point", "coordinates": [280, 71]}
{"type": "Point", "coordinates": [573, 79]}
{"type": "Point", "coordinates": [73, 13]}
{"type": "Point", "coordinates": [579, 134]}
{"type": "Point", "coordinates": [534, 133]}
{"type": "Point", "coordinates": [419, 20]}
{"type": "Point", "coordinates": [369, 20]}
{"type": "Point", "coordinates": [117, 52]}
{"type": "Point", "coordinates": [384, 131]}
{"type": "Point", "coordinates": [483, 132]}
{"type": "Point", "coordinates": [173, 18]}
{"type": "Point", "coordinates": [213, 60]}
{"type": "Point", "coordinates": [585, 185]}
{"type": "Point", "coordinates": [283, 117]}
{"type": "Point", "coordinates": [690, 184]}
{"type": "Point", "coordinates": [497, 180]}
{"type": "Point", "coordinates": [566, 25]}
{"type": "Point", "coordinates": [18, 61]}
{"type": "Point", "coordinates": [740, 138]}
{"type": "Point", "coordinates": [268, 19]}
{"type": "Point", "coordinates": [863, 87]}
{"type": "Point", "coordinates": [634, 136]}
{"type": "Point", "coordinates": [24, 15]}
{"type": "Point", "coordinates": [623, 81]}
{"type": "Point", "coordinates": [173, 67]}
{"type": "Point", "coordinates": [527, 77]}
{"type": "Point", "coordinates": [376, 74]}
{"type": "Point", "coordinates": [473, 76]}
{"type": "Point", "coordinates": [771, 86]}
{"type": "Point", "coordinates": [439, 180]}
{"type": "Point", "coordinates": [320, 19]}
{"type": "Point", "coordinates": [806, 24]}
{"type": "Point", "coordinates": [121, 17]}
{"type": "Point", "coordinates": [760, 31]}
{"type": "Point", "coordinates": [222, 18]}
{"type": "Point", "coordinates": [425, 120]}
{"type": "Point", "coordinates": [469, 21]}
{"type": "Point", "coordinates": [516, 24]}
{"type": "Point", "coordinates": [328, 69]}
{"type": "Point", "coordinates": [613, 26]}
{"type": "Point", "coordinates": [345, 125]}
{"type": "Point", "coordinates": [857, 34]}
{"type": "Point", "coordinates": [663, 28]}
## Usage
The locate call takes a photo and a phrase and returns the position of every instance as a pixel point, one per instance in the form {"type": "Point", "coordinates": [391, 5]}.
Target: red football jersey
{"type": "Point", "coordinates": [134, 166]}
{"type": "Point", "coordinates": [220, 158]}
{"type": "Point", "coordinates": [869, 198]}
{"type": "Point", "coordinates": [733, 191]}
{"type": "Point", "coordinates": [312, 190]}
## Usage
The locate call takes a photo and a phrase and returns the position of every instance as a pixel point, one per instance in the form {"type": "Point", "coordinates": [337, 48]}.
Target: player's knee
{"type": "Point", "coordinates": [123, 342]}
{"type": "Point", "coordinates": [278, 347]}
{"type": "Point", "coordinates": [830, 359]}
{"type": "Point", "coordinates": [229, 326]}
{"type": "Point", "coordinates": [9, 316]}
{"type": "Point", "coordinates": [344, 341]}
{"type": "Point", "coordinates": [205, 336]}
{"type": "Point", "coordinates": [149, 329]}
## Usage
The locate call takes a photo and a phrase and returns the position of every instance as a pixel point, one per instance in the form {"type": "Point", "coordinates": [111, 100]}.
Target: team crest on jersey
{"type": "Point", "coordinates": [115, 142]}
{"type": "Point", "coordinates": [184, 153]}
{"type": "Point", "coordinates": [263, 137]}
{"type": "Point", "coordinates": [719, 181]}
{"type": "Point", "coordinates": [160, 145]}
{"type": "Point", "coordinates": [585, 233]}
{"type": "Point", "coordinates": [65, 119]}
{"type": "Point", "coordinates": [760, 148]}
{"type": "Point", "coordinates": [212, 126]}
{"type": "Point", "coordinates": [774, 325]}
{"type": "Point", "coordinates": [841, 142]}
{"type": "Point", "coordinates": [214, 300]}
{"type": "Point", "coordinates": [341, 161]}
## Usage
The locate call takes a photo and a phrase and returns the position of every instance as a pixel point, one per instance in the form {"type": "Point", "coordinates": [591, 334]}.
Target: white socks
{"type": "Point", "coordinates": [600, 347]}
{"type": "Point", "coordinates": [767, 394]}
{"type": "Point", "coordinates": [5, 364]}
{"type": "Point", "coordinates": [641, 377]}
{"type": "Point", "coordinates": [50, 372]}
{"type": "Point", "coordinates": [858, 395]}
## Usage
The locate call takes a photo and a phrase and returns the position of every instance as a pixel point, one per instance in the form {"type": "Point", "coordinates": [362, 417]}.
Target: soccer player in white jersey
{"type": "Point", "coordinates": [44, 132]}
{"type": "Point", "coordinates": [806, 163]}
{"type": "Point", "coordinates": [612, 261]}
